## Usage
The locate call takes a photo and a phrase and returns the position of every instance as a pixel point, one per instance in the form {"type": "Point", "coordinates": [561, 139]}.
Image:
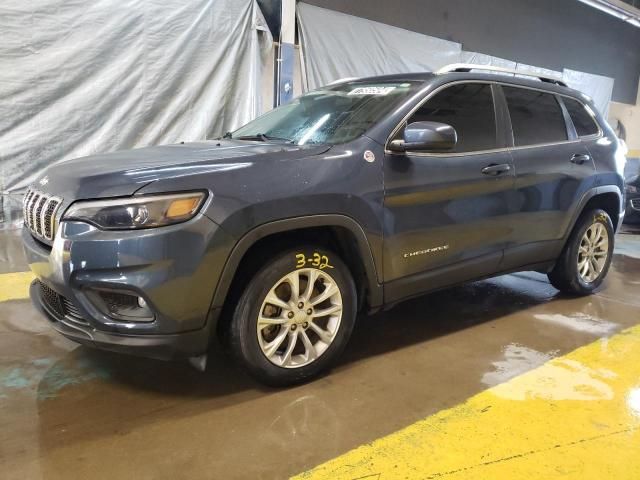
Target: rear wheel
{"type": "Point", "coordinates": [294, 317]}
{"type": "Point", "coordinates": [586, 257]}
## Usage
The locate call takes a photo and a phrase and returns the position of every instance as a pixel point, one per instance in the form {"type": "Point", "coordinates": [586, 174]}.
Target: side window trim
{"type": "Point", "coordinates": [591, 114]}
{"type": "Point", "coordinates": [571, 128]}
{"type": "Point", "coordinates": [503, 118]}
{"type": "Point", "coordinates": [509, 128]}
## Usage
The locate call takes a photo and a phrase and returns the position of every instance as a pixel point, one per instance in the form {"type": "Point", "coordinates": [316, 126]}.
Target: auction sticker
{"type": "Point", "coordinates": [373, 90]}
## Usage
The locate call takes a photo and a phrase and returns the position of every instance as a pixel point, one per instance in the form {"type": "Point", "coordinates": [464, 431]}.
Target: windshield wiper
{"type": "Point", "coordinates": [261, 137]}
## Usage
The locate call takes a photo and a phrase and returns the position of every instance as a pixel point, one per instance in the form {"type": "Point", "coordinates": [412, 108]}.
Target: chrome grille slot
{"type": "Point", "coordinates": [39, 212]}
{"type": "Point", "coordinates": [49, 217]}
{"type": "Point", "coordinates": [30, 213]}
{"type": "Point", "coordinates": [25, 210]}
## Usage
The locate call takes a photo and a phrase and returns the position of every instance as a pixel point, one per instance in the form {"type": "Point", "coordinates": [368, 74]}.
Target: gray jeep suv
{"type": "Point", "coordinates": [351, 198]}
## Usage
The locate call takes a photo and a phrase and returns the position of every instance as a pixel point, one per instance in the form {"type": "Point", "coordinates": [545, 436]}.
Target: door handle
{"type": "Point", "coordinates": [496, 170]}
{"type": "Point", "coordinates": [580, 158]}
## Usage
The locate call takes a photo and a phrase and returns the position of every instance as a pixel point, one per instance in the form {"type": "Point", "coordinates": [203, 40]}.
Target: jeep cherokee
{"type": "Point", "coordinates": [350, 198]}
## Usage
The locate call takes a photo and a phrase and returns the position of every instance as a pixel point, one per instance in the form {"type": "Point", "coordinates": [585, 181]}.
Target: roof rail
{"type": "Point", "coordinates": [467, 67]}
{"type": "Point", "coordinates": [342, 80]}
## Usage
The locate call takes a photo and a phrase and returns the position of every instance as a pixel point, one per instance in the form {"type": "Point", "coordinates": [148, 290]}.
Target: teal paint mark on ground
{"type": "Point", "coordinates": [59, 377]}
{"type": "Point", "coordinates": [42, 362]}
{"type": "Point", "coordinates": [45, 378]}
{"type": "Point", "coordinates": [16, 378]}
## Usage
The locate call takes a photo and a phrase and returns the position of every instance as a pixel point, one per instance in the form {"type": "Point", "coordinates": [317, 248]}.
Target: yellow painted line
{"type": "Point", "coordinates": [14, 286]}
{"type": "Point", "coordinates": [576, 417]}
{"type": "Point", "coordinates": [633, 154]}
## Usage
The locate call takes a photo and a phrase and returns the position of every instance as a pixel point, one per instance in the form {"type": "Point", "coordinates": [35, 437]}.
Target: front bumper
{"type": "Point", "coordinates": [174, 269]}
{"type": "Point", "coordinates": [162, 347]}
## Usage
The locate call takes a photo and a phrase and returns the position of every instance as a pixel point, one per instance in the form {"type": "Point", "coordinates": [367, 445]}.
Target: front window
{"type": "Point", "coordinates": [331, 115]}
{"type": "Point", "coordinates": [467, 107]}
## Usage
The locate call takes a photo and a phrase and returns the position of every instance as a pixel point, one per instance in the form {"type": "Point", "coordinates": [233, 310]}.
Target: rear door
{"type": "Point", "coordinates": [553, 169]}
{"type": "Point", "coordinates": [445, 220]}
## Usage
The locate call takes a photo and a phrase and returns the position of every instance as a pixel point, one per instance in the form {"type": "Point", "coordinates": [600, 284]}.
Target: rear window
{"type": "Point", "coordinates": [581, 118]}
{"type": "Point", "coordinates": [536, 117]}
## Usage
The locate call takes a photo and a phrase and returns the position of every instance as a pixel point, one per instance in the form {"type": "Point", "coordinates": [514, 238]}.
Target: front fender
{"type": "Point", "coordinates": [250, 238]}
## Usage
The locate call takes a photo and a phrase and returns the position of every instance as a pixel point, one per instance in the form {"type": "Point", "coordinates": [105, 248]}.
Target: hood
{"type": "Point", "coordinates": [125, 172]}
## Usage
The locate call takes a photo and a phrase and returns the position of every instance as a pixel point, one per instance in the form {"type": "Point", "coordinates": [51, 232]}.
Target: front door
{"type": "Point", "coordinates": [446, 214]}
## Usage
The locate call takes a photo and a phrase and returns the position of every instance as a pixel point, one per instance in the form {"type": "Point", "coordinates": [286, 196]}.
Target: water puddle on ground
{"type": "Point", "coordinates": [581, 322]}
{"type": "Point", "coordinates": [561, 379]}
{"type": "Point", "coordinates": [518, 359]}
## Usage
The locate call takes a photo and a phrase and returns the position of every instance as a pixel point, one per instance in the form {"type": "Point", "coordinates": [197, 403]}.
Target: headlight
{"type": "Point", "coordinates": [137, 212]}
{"type": "Point", "coordinates": [632, 189]}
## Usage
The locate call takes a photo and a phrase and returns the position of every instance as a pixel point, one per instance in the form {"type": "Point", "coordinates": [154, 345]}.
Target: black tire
{"type": "Point", "coordinates": [243, 329]}
{"type": "Point", "coordinates": [565, 275]}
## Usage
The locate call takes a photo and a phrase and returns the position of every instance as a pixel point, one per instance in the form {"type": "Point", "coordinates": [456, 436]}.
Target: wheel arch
{"type": "Point", "coordinates": [340, 231]}
{"type": "Point", "coordinates": [608, 198]}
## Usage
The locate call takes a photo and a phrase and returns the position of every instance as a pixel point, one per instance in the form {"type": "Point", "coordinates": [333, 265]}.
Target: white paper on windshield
{"type": "Point", "coordinates": [372, 91]}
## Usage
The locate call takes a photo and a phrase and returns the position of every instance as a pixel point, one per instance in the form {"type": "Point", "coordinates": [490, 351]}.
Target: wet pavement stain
{"type": "Point", "coordinates": [575, 417]}
{"type": "Point", "coordinates": [90, 414]}
{"type": "Point", "coordinates": [43, 378]}
{"type": "Point", "coordinates": [518, 359]}
{"type": "Point", "coordinates": [59, 377]}
{"type": "Point", "coordinates": [580, 321]}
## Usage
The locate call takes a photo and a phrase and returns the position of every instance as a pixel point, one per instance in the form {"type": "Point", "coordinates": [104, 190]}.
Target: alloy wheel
{"type": "Point", "coordinates": [593, 252]}
{"type": "Point", "coordinates": [299, 318]}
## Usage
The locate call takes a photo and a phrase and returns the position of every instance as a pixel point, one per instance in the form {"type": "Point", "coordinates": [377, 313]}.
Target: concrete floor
{"type": "Point", "coordinates": [71, 412]}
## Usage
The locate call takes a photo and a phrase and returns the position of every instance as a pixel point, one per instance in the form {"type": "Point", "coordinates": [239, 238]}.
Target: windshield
{"type": "Point", "coordinates": [331, 115]}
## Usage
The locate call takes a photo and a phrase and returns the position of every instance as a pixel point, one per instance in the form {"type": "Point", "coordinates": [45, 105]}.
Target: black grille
{"type": "Point", "coordinates": [70, 309]}
{"type": "Point", "coordinates": [119, 301]}
{"type": "Point", "coordinates": [60, 305]}
{"type": "Point", "coordinates": [39, 211]}
{"type": "Point", "coordinates": [635, 203]}
{"type": "Point", "coordinates": [52, 300]}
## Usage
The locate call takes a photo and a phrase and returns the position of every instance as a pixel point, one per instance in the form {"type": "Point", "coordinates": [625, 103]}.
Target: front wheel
{"type": "Point", "coordinates": [294, 317]}
{"type": "Point", "coordinates": [586, 257]}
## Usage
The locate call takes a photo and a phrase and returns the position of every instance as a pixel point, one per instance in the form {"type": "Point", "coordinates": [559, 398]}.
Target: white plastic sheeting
{"type": "Point", "coordinates": [337, 45]}
{"type": "Point", "coordinates": [486, 60]}
{"type": "Point", "coordinates": [543, 72]}
{"type": "Point", "coordinates": [599, 88]}
{"type": "Point", "coordinates": [82, 77]}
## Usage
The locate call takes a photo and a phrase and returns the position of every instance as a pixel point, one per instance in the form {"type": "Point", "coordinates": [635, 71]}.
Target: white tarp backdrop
{"type": "Point", "coordinates": [337, 46]}
{"type": "Point", "coordinates": [82, 77]}
{"type": "Point", "coordinates": [487, 60]}
{"type": "Point", "coordinates": [599, 88]}
{"type": "Point", "coordinates": [596, 86]}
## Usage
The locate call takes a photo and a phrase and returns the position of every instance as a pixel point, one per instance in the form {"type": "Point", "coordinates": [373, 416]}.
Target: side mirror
{"type": "Point", "coordinates": [426, 136]}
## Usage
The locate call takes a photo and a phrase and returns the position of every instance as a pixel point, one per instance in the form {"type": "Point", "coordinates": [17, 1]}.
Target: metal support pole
{"type": "Point", "coordinates": [286, 53]}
